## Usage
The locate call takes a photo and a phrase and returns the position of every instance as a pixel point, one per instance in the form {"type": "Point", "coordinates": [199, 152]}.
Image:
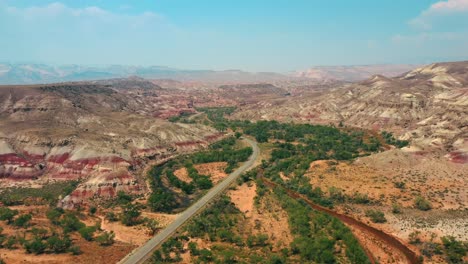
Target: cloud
{"type": "Point", "coordinates": [440, 10]}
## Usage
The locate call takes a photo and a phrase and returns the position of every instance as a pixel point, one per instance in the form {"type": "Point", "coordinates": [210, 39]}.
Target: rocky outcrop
{"type": "Point", "coordinates": [89, 132]}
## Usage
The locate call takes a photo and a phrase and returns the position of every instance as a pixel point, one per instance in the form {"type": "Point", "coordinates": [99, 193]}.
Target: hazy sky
{"type": "Point", "coordinates": [256, 35]}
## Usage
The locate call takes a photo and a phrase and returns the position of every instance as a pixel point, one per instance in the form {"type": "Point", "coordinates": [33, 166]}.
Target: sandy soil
{"type": "Point", "coordinates": [443, 183]}
{"type": "Point", "coordinates": [182, 174]}
{"type": "Point", "coordinates": [92, 253]}
{"type": "Point", "coordinates": [213, 169]}
{"type": "Point", "coordinates": [268, 218]}
{"type": "Point", "coordinates": [136, 235]}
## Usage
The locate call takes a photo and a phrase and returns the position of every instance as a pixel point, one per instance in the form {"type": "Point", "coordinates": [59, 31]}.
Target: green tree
{"type": "Point", "coordinates": [22, 220]}
{"type": "Point", "coordinates": [35, 246]}
{"type": "Point", "coordinates": [87, 232]}
{"type": "Point", "coordinates": [59, 244]}
{"type": "Point", "coordinates": [130, 215]}
{"type": "Point", "coordinates": [6, 214]}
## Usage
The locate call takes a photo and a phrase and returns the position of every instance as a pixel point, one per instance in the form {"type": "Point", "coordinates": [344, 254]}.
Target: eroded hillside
{"type": "Point", "coordinates": [427, 105]}
{"type": "Point", "coordinates": [90, 132]}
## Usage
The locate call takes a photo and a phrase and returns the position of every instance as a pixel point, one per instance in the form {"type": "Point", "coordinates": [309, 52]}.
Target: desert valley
{"type": "Point", "coordinates": [97, 168]}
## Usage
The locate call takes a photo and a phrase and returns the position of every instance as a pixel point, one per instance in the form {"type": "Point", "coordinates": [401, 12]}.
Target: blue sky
{"type": "Point", "coordinates": [254, 35]}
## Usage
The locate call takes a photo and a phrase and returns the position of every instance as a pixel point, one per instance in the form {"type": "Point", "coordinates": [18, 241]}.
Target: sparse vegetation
{"type": "Point", "coordinates": [48, 194]}
{"type": "Point", "coordinates": [391, 140]}
{"type": "Point", "coordinates": [376, 216]}
{"type": "Point", "coordinates": [422, 204]}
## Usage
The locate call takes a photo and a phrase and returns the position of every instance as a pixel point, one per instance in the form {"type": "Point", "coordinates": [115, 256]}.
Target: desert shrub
{"type": "Point", "coordinates": [22, 220]}
{"type": "Point", "coordinates": [360, 198]}
{"type": "Point", "coordinates": [399, 185]}
{"type": "Point", "coordinates": [39, 232]}
{"type": "Point", "coordinates": [111, 217]}
{"type": "Point", "coordinates": [54, 215]}
{"type": "Point", "coordinates": [71, 223]}
{"type": "Point", "coordinates": [6, 214]}
{"type": "Point", "coordinates": [87, 232]}
{"type": "Point", "coordinates": [414, 237]}
{"type": "Point", "coordinates": [130, 215]}
{"type": "Point", "coordinates": [123, 198]}
{"type": "Point", "coordinates": [376, 216]}
{"type": "Point", "coordinates": [59, 244]}
{"type": "Point", "coordinates": [454, 250]}
{"type": "Point", "coordinates": [35, 246]}
{"type": "Point", "coordinates": [193, 248]}
{"type": "Point", "coordinates": [430, 249]}
{"type": "Point", "coordinates": [11, 242]}
{"type": "Point", "coordinates": [396, 208]}
{"type": "Point", "coordinates": [422, 204]}
{"type": "Point", "coordinates": [106, 238]}
{"type": "Point", "coordinates": [92, 210]}
{"type": "Point", "coordinates": [259, 240]}
{"type": "Point", "coordinates": [336, 194]}
{"type": "Point", "coordinates": [75, 250]}
{"type": "Point", "coordinates": [152, 225]}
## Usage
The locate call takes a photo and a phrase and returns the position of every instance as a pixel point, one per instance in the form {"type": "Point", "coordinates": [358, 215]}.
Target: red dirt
{"type": "Point", "coordinates": [391, 241]}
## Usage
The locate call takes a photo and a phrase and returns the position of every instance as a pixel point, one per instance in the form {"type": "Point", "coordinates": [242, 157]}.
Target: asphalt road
{"type": "Point", "coordinates": [144, 252]}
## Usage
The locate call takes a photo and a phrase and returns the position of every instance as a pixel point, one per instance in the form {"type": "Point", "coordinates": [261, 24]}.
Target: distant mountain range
{"type": "Point", "coordinates": [354, 73]}
{"type": "Point", "coordinates": [42, 73]}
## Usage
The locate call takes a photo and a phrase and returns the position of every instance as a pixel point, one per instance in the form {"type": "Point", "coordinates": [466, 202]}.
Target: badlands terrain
{"type": "Point", "coordinates": [92, 145]}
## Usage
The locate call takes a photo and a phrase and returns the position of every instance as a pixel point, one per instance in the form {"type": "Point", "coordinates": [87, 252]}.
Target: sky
{"type": "Point", "coordinates": [252, 35]}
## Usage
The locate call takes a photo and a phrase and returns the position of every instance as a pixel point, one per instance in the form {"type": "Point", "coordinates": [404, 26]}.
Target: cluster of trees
{"type": "Point", "coordinates": [220, 223]}
{"type": "Point", "coordinates": [162, 199]}
{"type": "Point", "coordinates": [316, 234]}
{"type": "Point", "coordinates": [231, 156]}
{"type": "Point", "coordinates": [166, 200]}
{"type": "Point", "coordinates": [391, 140]}
{"type": "Point", "coordinates": [57, 239]}
{"type": "Point", "coordinates": [182, 118]}
{"type": "Point", "coordinates": [12, 217]}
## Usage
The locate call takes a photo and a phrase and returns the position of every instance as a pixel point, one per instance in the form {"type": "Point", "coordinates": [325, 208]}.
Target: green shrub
{"type": "Point", "coordinates": [87, 232]}
{"type": "Point", "coordinates": [22, 220]}
{"type": "Point", "coordinates": [92, 210]}
{"type": "Point", "coordinates": [454, 250]}
{"type": "Point", "coordinates": [111, 217]}
{"type": "Point", "coordinates": [130, 215]}
{"type": "Point", "coordinates": [422, 204]}
{"type": "Point", "coordinates": [75, 250]}
{"type": "Point", "coordinates": [6, 214]}
{"type": "Point", "coordinates": [376, 216]}
{"type": "Point", "coordinates": [106, 238]}
{"type": "Point", "coordinates": [59, 244]}
{"type": "Point", "coordinates": [54, 215]}
{"type": "Point", "coordinates": [35, 246]}
{"type": "Point", "coordinates": [71, 223]}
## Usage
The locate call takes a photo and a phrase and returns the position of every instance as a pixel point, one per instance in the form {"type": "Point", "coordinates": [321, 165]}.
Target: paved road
{"type": "Point", "coordinates": [144, 252]}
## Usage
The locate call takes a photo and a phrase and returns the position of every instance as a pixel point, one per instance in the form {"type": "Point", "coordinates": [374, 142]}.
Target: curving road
{"type": "Point", "coordinates": [144, 252]}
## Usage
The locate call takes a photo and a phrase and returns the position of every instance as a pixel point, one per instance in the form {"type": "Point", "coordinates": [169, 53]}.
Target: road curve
{"type": "Point", "coordinates": [144, 252]}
